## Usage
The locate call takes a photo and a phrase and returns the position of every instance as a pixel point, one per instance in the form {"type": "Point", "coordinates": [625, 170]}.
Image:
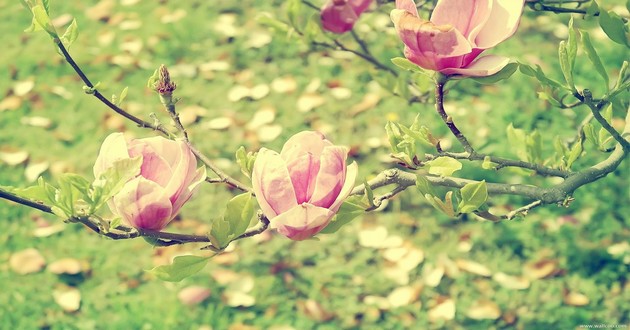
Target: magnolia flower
{"type": "Point", "coordinates": [458, 32]}
{"type": "Point", "coordinates": [338, 16]}
{"type": "Point", "coordinates": [167, 179]}
{"type": "Point", "coordinates": [302, 188]}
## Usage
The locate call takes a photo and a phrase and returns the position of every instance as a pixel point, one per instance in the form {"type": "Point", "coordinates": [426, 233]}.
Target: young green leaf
{"type": "Point", "coordinates": [424, 186]}
{"type": "Point", "coordinates": [239, 212]}
{"type": "Point", "coordinates": [565, 64]}
{"type": "Point", "coordinates": [589, 133]}
{"type": "Point", "coordinates": [349, 210]}
{"type": "Point", "coordinates": [113, 180]}
{"type": "Point", "coordinates": [591, 53]}
{"type": "Point", "coordinates": [473, 196]}
{"type": "Point", "coordinates": [445, 206]}
{"type": "Point", "coordinates": [293, 12]}
{"type": "Point", "coordinates": [614, 27]}
{"type": "Point", "coordinates": [182, 267]}
{"type": "Point", "coordinates": [572, 44]}
{"type": "Point", "coordinates": [71, 34]}
{"type": "Point", "coordinates": [406, 64]}
{"type": "Point", "coordinates": [444, 166]}
{"type": "Point", "coordinates": [575, 152]}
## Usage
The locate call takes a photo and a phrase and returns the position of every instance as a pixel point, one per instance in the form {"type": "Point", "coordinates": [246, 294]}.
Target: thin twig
{"type": "Point", "coordinates": [448, 120]}
{"type": "Point", "coordinates": [222, 175]}
{"type": "Point", "coordinates": [521, 211]}
{"type": "Point", "coordinates": [587, 98]}
{"type": "Point", "coordinates": [503, 162]}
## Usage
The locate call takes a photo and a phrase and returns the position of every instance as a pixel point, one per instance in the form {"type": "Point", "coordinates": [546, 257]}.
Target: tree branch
{"type": "Point", "coordinates": [448, 120]}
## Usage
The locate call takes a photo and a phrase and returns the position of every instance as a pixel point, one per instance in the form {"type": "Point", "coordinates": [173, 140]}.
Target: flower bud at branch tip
{"type": "Point", "coordinates": [164, 86]}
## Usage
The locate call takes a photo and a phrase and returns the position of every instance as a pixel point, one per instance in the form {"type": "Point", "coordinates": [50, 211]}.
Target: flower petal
{"type": "Point", "coordinates": [154, 167]}
{"type": "Point", "coordinates": [143, 204]}
{"type": "Point", "coordinates": [189, 187]}
{"type": "Point", "coordinates": [360, 6]}
{"type": "Point", "coordinates": [407, 5]}
{"type": "Point", "coordinates": [502, 24]}
{"type": "Point", "coordinates": [351, 176]}
{"type": "Point", "coordinates": [272, 183]}
{"type": "Point", "coordinates": [424, 38]}
{"type": "Point", "coordinates": [113, 148]}
{"type": "Point", "coordinates": [331, 175]}
{"type": "Point", "coordinates": [302, 221]}
{"type": "Point", "coordinates": [303, 142]}
{"type": "Point", "coordinates": [482, 67]}
{"type": "Point", "coordinates": [303, 171]}
{"type": "Point", "coordinates": [338, 18]}
{"type": "Point", "coordinates": [467, 16]}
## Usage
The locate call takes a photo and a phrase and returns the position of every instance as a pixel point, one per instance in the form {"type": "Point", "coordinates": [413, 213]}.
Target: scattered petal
{"type": "Point", "coordinates": [258, 39]}
{"type": "Point", "coordinates": [48, 230]}
{"type": "Point", "coordinates": [341, 93]}
{"type": "Point", "coordinates": [576, 299]}
{"type": "Point", "coordinates": [193, 295]}
{"type": "Point", "coordinates": [310, 101]}
{"type": "Point", "coordinates": [284, 85]}
{"type": "Point", "coordinates": [473, 267]}
{"type": "Point", "coordinates": [259, 91]}
{"type": "Point", "coordinates": [34, 170]}
{"type": "Point", "coordinates": [484, 310]}
{"type": "Point", "coordinates": [238, 92]}
{"type": "Point", "coordinates": [262, 117]}
{"type": "Point", "coordinates": [432, 276]}
{"type": "Point", "coordinates": [37, 121]}
{"type": "Point", "coordinates": [11, 102]}
{"type": "Point", "coordinates": [27, 261]}
{"type": "Point", "coordinates": [403, 296]}
{"type": "Point", "coordinates": [511, 282]}
{"type": "Point", "coordinates": [68, 298]}
{"type": "Point", "coordinates": [369, 101]}
{"type": "Point", "coordinates": [238, 299]}
{"type": "Point", "coordinates": [65, 266]}
{"type": "Point", "coordinates": [13, 158]}
{"type": "Point", "coordinates": [444, 310]}
{"type": "Point", "coordinates": [541, 269]}
{"type": "Point", "coordinates": [219, 123]}
{"type": "Point", "coordinates": [314, 310]}
{"type": "Point", "coordinates": [268, 133]}
{"type": "Point", "coordinates": [22, 88]}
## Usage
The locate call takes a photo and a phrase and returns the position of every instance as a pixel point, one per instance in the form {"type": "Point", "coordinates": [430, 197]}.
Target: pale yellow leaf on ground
{"type": "Point", "coordinates": [27, 261]}
{"type": "Point", "coordinates": [540, 269]}
{"type": "Point", "coordinates": [34, 170]}
{"type": "Point", "coordinates": [511, 282]}
{"type": "Point", "coordinates": [36, 121]}
{"type": "Point", "coordinates": [69, 298]}
{"type": "Point", "coordinates": [432, 275]}
{"type": "Point", "coordinates": [473, 267]}
{"type": "Point", "coordinates": [46, 231]}
{"type": "Point", "coordinates": [268, 133]}
{"type": "Point", "coordinates": [65, 266]}
{"type": "Point", "coordinates": [369, 101]}
{"type": "Point", "coordinates": [22, 88]}
{"type": "Point", "coordinates": [444, 310]}
{"type": "Point", "coordinates": [309, 101]}
{"type": "Point", "coordinates": [402, 296]}
{"type": "Point", "coordinates": [13, 158]}
{"type": "Point", "coordinates": [219, 123]}
{"type": "Point", "coordinates": [576, 299]}
{"type": "Point", "coordinates": [341, 93]}
{"type": "Point", "coordinates": [484, 310]}
{"type": "Point", "coordinates": [193, 295]}
{"type": "Point", "coordinates": [10, 102]}
{"type": "Point", "coordinates": [314, 310]}
{"type": "Point", "coordinates": [264, 116]}
{"type": "Point", "coordinates": [237, 299]}
{"type": "Point", "coordinates": [284, 85]}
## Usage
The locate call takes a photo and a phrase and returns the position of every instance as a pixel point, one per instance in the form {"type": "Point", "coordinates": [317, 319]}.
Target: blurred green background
{"type": "Point", "coordinates": [404, 267]}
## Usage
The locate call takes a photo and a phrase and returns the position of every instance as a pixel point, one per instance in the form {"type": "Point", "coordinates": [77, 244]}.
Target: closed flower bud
{"type": "Point", "coordinates": [339, 16]}
{"type": "Point", "coordinates": [302, 188]}
{"type": "Point", "coordinates": [168, 177]}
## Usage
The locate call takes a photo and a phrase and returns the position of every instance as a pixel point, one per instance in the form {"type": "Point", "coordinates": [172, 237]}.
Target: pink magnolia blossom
{"type": "Point", "coordinates": [167, 179]}
{"type": "Point", "coordinates": [339, 16]}
{"type": "Point", "coordinates": [458, 32]}
{"type": "Point", "coordinates": [302, 188]}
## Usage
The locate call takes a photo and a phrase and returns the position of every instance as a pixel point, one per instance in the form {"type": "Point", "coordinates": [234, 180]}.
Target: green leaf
{"type": "Point", "coordinates": [488, 164]}
{"type": "Point", "coordinates": [572, 44]}
{"type": "Point", "coordinates": [591, 53]}
{"type": "Point", "coordinates": [592, 10]}
{"type": "Point", "coordinates": [369, 194]}
{"type": "Point", "coordinates": [424, 186]}
{"type": "Point", "coordinates": [234, 222]}
{"type": "Point", "coordinates": [349, 210]}
{"type": "Point", "coordinates": [505, 73]}
{"type": "Point", "coordinates": [43, 20]}
{"type": "Point", "coordinates": [565, 64]}
{"type": "Point", "coordinates": [245, 161]}
{"type": "Point", "coordinates": [614, 27]}
{"type": "Point", "coordinates": [113, 180]}
{"type": "Point", "coordinates": [539, 75]}
{"type": "Point", "coordinates": [182, 267]}
{"type": "Point", "coordinates": [239, 212]}
{"type": "Point", "coordinates": [445, 206]}
{"type": "Point", "coordinates": [71, 34]}
{"type": "Point", "coordinates": [293, 12]}
{"type": "Point", "coordinates": [589, 133]}
{"type": "Point", "coordinates": [270, 22]}
{"type": "Point", "coordinates": [444, 166]}
{"type": "Point", "coordinates": [473, 196]}
{"type": "Point", "coordinates": [575, 152]}
{"type": "Point", "coordinates": [393, 135]}
{"type": "Point", "coordinates": [516, 139]}
{"type": "Point", "coordinates": [313, 29]}
{"type": "Point", "coordinates": [406, 64]}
